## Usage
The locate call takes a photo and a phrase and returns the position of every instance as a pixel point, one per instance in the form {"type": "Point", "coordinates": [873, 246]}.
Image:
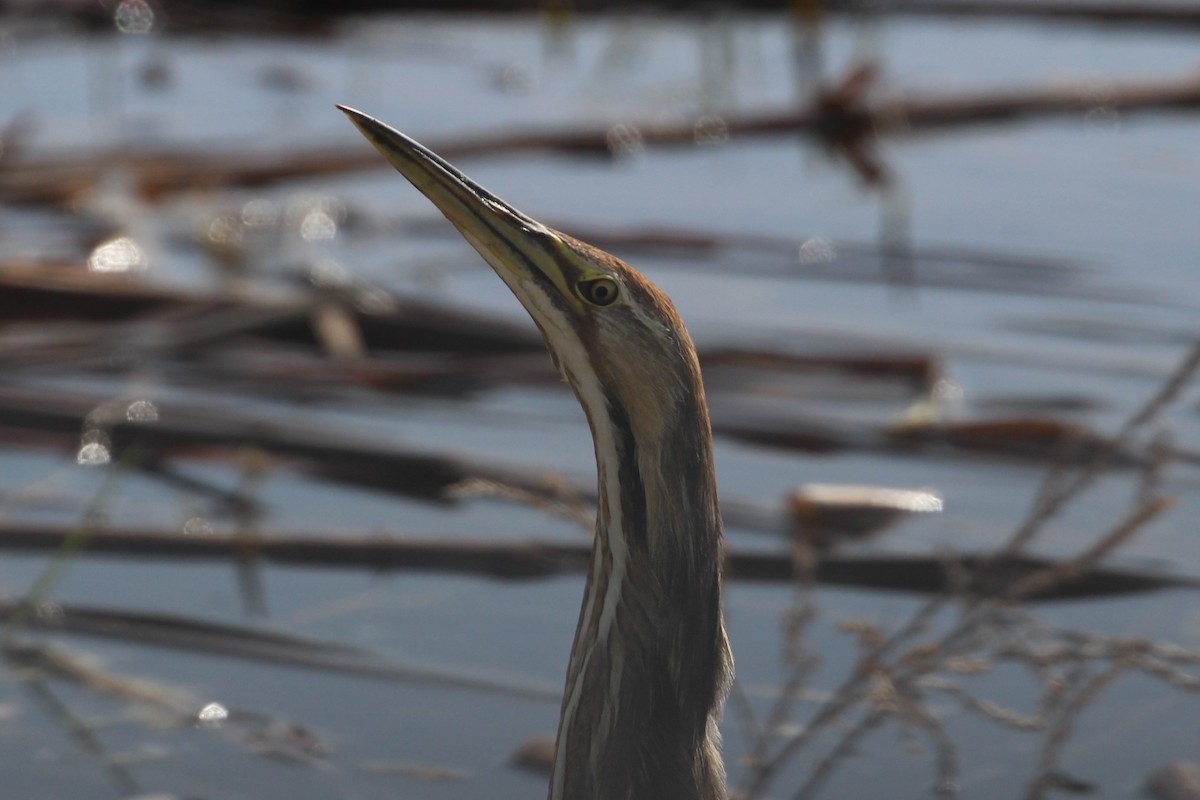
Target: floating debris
{"type": "Point", "coordinates": [420, 772]}
{"type": "Point", "coordinates": [824, 515]}
{"type": "Point", "coordinates": [535, 755]}
{"type": "Point", "coordinates": [1177, 781]}
{"type": "Point", "coordinates": [989, 575]}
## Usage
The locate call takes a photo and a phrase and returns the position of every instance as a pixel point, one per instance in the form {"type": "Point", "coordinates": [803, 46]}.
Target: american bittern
{"type": "Point", "coordinates": [650, 664]}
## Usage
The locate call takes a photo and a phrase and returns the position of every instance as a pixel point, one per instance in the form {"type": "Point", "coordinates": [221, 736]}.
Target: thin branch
{"type": "Point", "coordinates": [1041, 580]}
{"type": "Point", "coordinates": [1054, 501]}
{"type": "Point", "coordinates": [846, 747]}
{"type": "Point", "coordinates": [1060, 732]}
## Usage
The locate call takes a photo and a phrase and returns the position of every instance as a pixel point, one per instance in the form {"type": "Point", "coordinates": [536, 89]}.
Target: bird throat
{"type": "Point", "coordinates": [650, 663]}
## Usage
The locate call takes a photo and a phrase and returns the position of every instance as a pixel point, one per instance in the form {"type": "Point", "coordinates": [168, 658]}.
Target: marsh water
{"type": "Point", "coordinates": [1045, 268]}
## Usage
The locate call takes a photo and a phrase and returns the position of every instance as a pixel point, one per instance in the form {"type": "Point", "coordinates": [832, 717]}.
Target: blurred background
{"type": "Point", "coordinates": [292, 503]}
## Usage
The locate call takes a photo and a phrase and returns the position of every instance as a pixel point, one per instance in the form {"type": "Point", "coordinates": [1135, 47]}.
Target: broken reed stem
{"type": "Point", "coordinates": [841, 118]}
{"type": "Point", "coordinates": [1056, 497]}
{"type": "Point", "coordinates": [80, 668]}
{"type": "Point", "coordinates": [1064, 725]}
{"type": "Point", "coordinates": [1140, 12]}
{"type": "Point", "coordinates": [823, 769]}
{"type": "Point", "coordinates": [1160, 452]}
{"type": "Point", "coordinates": [945, 781]}
{"type": "Point", "coordinates": [797, 665]}
{"type": "Point", "coordinates": [796, 660]}
{"type": "Point", "coordinates": [755, 735]}
{"type": "Point", "coordinates": [83, 733]}
{"type": "Point", "coordinates": [50, 575]}
{"type": "Point", "coordinates": [556, 496]}
{"type": "Point", "coordinates": [851, 691]}
{"type": "Point", "coordinates": [925, 660]}
{"type": "Point", "coordinates": [1044, 579]}
{"type": "Point", "coordinates": [985, 708]}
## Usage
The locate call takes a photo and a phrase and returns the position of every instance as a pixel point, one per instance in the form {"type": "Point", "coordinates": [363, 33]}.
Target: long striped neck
{"type": "Point", "coordinates": [650, 664]}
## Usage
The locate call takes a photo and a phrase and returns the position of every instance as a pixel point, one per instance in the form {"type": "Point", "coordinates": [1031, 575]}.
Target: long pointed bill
{"type": "Point", "coordinates": [518, 247]}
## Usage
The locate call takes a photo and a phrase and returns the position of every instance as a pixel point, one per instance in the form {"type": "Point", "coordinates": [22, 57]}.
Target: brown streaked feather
{"type": "Point", "coordinates": [668, 637]}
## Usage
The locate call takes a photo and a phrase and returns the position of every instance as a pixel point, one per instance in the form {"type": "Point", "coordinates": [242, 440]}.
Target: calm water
{"type": "Point", "coordinates": [1114, 200]}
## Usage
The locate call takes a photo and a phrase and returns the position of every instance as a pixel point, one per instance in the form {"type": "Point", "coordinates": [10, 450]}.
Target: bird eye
{"type": "Point", "coordinates": [599, 291]}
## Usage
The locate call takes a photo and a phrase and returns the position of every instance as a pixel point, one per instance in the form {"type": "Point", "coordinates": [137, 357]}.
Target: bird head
{"type": "Point", "coordinates": [615, 337]}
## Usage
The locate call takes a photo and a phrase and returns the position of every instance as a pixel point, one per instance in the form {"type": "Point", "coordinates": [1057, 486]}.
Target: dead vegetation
{"type": "Point", "coordinates": [317, 338]}
{"type": "Point", "coordinates": [902, 672]}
